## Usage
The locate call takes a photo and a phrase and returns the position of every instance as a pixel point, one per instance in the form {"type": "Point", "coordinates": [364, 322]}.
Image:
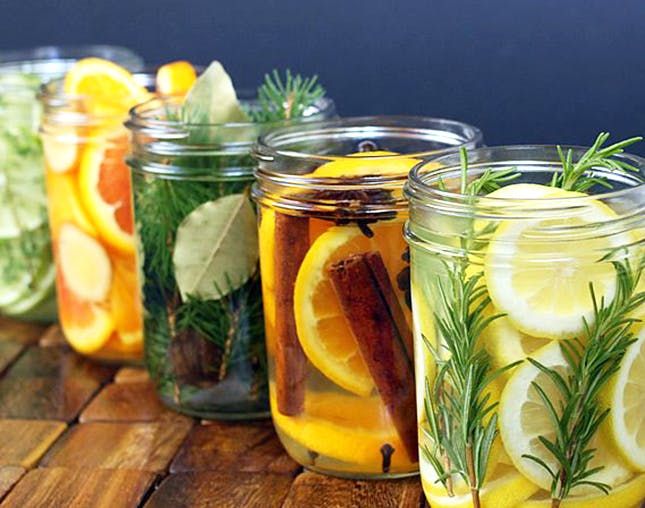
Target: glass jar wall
{"type": "Point", "coordinates": [26, 268]}
{"type": "Point", "coordinates": [335, 281]}
{"type": "Point", "coordinates": [204, 334]}
{"type": "Point", "coordinates": [92, 226]}
{"type": "Point", "coordinates": [529, 352]}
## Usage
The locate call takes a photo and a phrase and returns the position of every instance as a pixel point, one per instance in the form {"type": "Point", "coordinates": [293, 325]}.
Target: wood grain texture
{"type": "Point", "coordinates": [9, 351]}
{"type": "Point", "coordinates": [99, 445]}
{"type": "Point", "coordinates": [314, 490]}
{"type": "Point", "coordinates": [128, 402]}
{"type": "Point", "coordinates": [131, 375]}
{"type": "Point", "coordinates": [53, 336]}
{"type": "Point", "coordinates": [9, 475]}
{"type": "Point", "coordinates": [238, 446]}
{"type": "Point", "coordinates": [221, 490]}
{"type": "Point", "coordinates": [61, 487]}
{"type": "Point", "coordinates": [25, 333]}
{"type": "Point", "coordinates": [24, 442]}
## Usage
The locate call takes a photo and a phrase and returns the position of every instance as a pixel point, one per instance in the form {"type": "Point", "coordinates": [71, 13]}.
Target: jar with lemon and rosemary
{"type": "Point", "coordinates": [192, 172]}
{"type": "Point", "coordinates": [529, 293]}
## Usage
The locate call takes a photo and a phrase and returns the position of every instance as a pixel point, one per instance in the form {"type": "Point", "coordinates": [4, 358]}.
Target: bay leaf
{"type": "Point", "coordinates": [216, 248]}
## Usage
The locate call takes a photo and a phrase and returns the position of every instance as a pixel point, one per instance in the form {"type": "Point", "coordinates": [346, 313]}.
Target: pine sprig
{"type": "Point", "coordinates": [579, 175]}
{"type": "Point", "coordinates": [284, 98]}
{"type": "Point", "coordinates": [591, 363]}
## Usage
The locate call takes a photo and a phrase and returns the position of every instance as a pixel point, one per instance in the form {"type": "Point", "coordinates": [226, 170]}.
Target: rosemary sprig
{"type": "Point", "coordinates": [284, 98]}
{"type": "Point", "coordinates": [461, 417]}
{"type": "Point", "coordinates": [579, 176]}
{"type": "Point", "coordinates": [591, 364]}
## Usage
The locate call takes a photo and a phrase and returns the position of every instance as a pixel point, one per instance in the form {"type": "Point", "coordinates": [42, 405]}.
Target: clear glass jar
{"type": "Point", "coordinates": [335, 279]}
{"type": "Point", "coordinates": [92, 226]}
{"type": "Point", "coordinates": [26, 268]}
{"type": "Point", "coordinates": [514, 365]}
{"type": "Point", "coordinates": [204, 339]}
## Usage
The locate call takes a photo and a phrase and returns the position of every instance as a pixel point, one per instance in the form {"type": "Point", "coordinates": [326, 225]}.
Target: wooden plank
{"type": "Point", "coordinates": [128, 402]}
{"type": "Point", "coordinates": [9, 475]}
{"type": "Point", "coordinates": [100, 445]}
{"type": "Point", "coordinates": [221, 490]}
{"type": "Point", "coordinates": [20, 331]}
{"type": "Point", "coordinates": [9, 351]}
{"type": "Point", "coordinates": [79, 488]}
{"type": "Point", "coordinates": [314, 490]}
{"type": "Point", "coordinates": [24, 442]}
{"type": "Point", "coordinates": [239, 446]}
{"type": "Point", "coordinates": [53, 336]}
{"type": "Point", "coordinates": [131, 375]}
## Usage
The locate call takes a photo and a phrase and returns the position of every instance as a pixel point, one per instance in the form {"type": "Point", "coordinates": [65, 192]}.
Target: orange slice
{"type": "Point", "coordinates": [87, 326]}
{"type": "Point", "coordinates": [125, 302]}
{"type": "Point", "coordinates": [324, 333]}
{"type": "Point", "coordinates": [346, 428]}
{"type": "Point", "coordinates": [175, 78]}
{"type": "Point", "coordinates": [64, 204]}
{"type": "Point", "coordinates": [104, 183]}
{"type": "Point", "coordinates": [108, 89]}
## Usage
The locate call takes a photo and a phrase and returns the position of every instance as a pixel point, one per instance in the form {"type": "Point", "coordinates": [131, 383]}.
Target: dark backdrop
{"type": "Point", "coordinates": [522, 70]}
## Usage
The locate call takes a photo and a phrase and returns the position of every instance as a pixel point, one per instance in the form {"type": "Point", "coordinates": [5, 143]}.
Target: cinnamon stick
{"type": "Point", "coordinates": [291, 245]}
{"type": "Point", "coordinates": [376, 319]}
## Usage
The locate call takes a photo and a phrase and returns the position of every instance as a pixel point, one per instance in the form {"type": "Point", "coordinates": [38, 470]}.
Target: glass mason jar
{"type": "Point", "coordinates": [526, 304]}
{"type": "Point", "coordinates": [26, 268]}
{"type": "Point", "coordinates": [92, 226]}
{"type": "Point", "coordinates": [335, 279]}
{"type": "Point", "coordinates": [204, 335]}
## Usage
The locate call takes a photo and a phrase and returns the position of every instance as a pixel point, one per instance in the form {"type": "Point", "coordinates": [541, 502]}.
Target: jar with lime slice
{"type": "Point", "coordinates": [528, 293]}
{"type": "Point", "coordinates": [197, 227]}
{"type": "Point", "coordinates": [335, 279]}
{"type": "Point", "coordinates": [26, 268]}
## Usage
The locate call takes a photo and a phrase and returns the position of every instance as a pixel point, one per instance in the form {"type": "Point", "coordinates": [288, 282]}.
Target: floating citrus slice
{"type": "Point", "coordinates": [107, 88]}
{"type": "Point", "coordinates": [175, 78]}
{"type": "Point", "coordinates": [60, 146]}
{"type": "Point", "coordinates": [523, 418]}
{"type": "Point", "coordinates": [626, 398]}
{"type": "Point", "coordinates": [376, 163]}
{"type": "Point", "coordinates": [104, 184]}
{"type": "Point", "coordinates": [543, 293]}
{"type": "Point", "coordinates": [65, 204]}
{"type": "Point", "coordinates": [324, 333]}
{"type": "Point", "coordinates": [346, 428]}
{"type": "Point", "coordinates": [87, 326]}
{"type": "Point", "coordinates": [125, 301]}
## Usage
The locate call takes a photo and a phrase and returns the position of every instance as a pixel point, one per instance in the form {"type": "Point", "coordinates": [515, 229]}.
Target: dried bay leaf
{"type": "Point", "coordinates": [216, 248]}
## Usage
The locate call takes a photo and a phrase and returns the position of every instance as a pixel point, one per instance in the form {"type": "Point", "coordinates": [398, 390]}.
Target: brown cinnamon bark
{"type": "Point", "coordinates": [291, 245]}
{"type": "Point", "coordinates": [374, 314]}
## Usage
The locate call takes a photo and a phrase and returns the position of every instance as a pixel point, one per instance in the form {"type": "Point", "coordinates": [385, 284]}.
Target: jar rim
{"type": "Point", "coordinates": [265, 148]}
{"type": "Point", "coordinates": [424, 179]}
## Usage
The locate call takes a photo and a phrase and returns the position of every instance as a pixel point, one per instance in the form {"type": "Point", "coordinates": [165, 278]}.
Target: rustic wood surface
{"type": "Point", "coordinates": [74, 433]}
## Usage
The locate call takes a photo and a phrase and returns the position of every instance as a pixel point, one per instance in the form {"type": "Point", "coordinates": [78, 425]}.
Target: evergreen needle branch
{"type": "Point", "coordinates": [591, 364]}
{"type": "Point", "coordinates": [579, 175]}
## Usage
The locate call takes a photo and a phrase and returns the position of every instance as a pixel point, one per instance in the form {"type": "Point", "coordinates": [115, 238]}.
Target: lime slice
{"type": "Point", "coordinates": [40, 293]}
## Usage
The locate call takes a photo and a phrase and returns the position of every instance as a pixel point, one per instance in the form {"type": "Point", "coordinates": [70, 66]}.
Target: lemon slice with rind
{"type": "Point", "coordinates": [538, 276]}
{"type": "Point", "coordinates": [626, 398]}
{"type": "Point", "coordinates": [523, 419]}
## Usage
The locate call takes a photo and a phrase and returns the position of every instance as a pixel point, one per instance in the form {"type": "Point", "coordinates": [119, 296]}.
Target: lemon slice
{"type": "Point", "coordinates": [376, 163]}
{"type": "Point", "coordinates": [629, 494]}
{"type": "Point", "coordinates": [505, 489]}
{"type": "Point", "coordinates": [523, 418]}
{"type": "Point", "coordinates": [626, 398]}
{"type": "Point", "coordinates": [540, 282]}
{"type": "Point", "coordinates": [325, 335]}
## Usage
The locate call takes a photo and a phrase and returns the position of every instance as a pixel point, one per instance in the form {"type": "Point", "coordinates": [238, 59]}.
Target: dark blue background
{"type": "Point", "coordinates": [522, 70]}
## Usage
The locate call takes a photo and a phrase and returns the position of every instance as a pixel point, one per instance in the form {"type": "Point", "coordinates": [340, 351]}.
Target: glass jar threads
{"type": "Point", "coordinates": [26, 267]}
{"type": "Point", "coordinates": [335, 283]}
{"type": "Point", "coordinates": [204, 335]}
{"type": "Point", "coordinates": [527, 291]}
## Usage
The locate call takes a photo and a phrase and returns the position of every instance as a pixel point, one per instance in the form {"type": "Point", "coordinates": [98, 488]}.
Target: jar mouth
{"type": "Point", "coordinates": [435, 181]}
{"type": "Point", "coordinates": [49, 62]}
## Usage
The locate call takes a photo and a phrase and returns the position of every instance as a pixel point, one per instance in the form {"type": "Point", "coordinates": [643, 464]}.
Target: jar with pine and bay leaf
{"type": "Point", "coordinates": [197, 227]}
{"type": "Point", "coordinates": [528, 296]}
{"type": "Point", "coordinates": [27, 286]}
{"type": "Point", "coordinates": [335, 278]}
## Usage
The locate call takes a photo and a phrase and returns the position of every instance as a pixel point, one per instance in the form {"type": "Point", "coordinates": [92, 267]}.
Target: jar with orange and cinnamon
{"type": "Point", "coordinates": [335, 284]}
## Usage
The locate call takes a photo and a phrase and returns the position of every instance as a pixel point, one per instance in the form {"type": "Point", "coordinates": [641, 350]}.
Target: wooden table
{"type": "Point", "coordinates": [74, 433]}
